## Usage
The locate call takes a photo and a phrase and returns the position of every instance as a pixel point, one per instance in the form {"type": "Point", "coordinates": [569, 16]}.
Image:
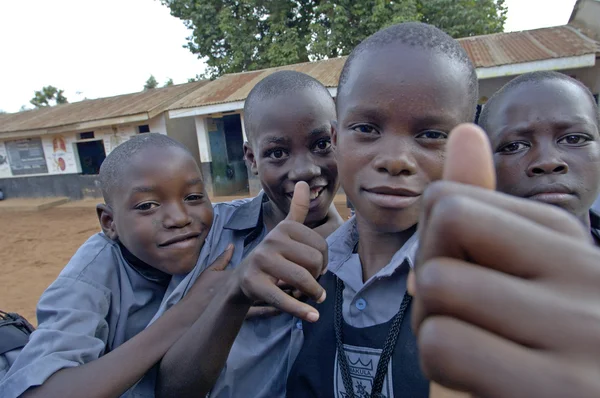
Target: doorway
{"type": "Point", "coordinates": [91, 156]}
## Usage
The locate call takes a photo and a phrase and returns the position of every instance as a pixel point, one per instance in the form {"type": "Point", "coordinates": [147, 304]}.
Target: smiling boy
{"type": "Point", "coordinates": [287, 117]}
{"type": "Point", "coordinates": [90, 339]}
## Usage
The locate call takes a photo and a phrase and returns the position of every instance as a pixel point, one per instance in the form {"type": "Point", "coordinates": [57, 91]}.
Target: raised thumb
{"type": "Point", "coordinates": [469, 157]}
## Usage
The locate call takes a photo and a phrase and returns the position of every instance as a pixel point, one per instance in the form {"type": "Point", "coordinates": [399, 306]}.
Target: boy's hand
{"type": "Point", "coordinates": [507, 290]}
{"type": "Point", "coordinates": [291, 253]}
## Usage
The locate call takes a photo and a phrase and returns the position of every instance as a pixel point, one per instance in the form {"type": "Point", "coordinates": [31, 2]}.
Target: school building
{"type": "Point", "coordinates": [57, 151]}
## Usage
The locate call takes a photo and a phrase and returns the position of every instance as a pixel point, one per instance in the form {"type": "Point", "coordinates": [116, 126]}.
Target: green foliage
{"type": "Point", "coordinates": [151, 83]}
{"type": "Point", "coordinates": [243, 35]}
{"type": "Point", "coordinates": [48, 96]}
{"type": "Point", "coordinates": [168, 83]}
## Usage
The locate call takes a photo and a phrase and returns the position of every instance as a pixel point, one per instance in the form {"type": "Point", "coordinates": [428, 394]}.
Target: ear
{"type": "Point", "coordinates": [107, 221]}
{"type": "Point", "coordinates": [250, 158]}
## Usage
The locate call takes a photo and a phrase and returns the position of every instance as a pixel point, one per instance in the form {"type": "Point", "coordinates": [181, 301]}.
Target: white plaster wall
{"type": "Point", "coordinates": [203, 142]}
{"type": "Point", "coordinates": [158, 124]}
{"type": "Point", "coordinates": [4, 166]}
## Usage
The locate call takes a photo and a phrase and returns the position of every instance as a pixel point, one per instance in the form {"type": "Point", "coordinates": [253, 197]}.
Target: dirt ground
{"type": "Point", "coordinates": [36, 245]}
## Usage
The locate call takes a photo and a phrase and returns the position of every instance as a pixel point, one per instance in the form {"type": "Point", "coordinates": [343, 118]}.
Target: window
{"type": "Point", "coordinates": [86, 136]}
{"type": "Point", "coordinates": [144, 128]}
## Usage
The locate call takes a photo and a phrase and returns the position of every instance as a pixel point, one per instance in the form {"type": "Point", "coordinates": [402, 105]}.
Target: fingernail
{"type": "Point", "coordinates": [230, 246]}
{"type": "Point", "coordinates": [324, 271]}
{"type": "Point", "coordinates": [312, 316]}
{"type": "Point", "coordinates": [322, 298]}
{"type": "Point", "coordinates": [410, 283]}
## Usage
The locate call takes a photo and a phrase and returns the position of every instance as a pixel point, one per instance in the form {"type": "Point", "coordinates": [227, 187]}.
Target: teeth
{"type": "Point", "coordinates": [315, 193]}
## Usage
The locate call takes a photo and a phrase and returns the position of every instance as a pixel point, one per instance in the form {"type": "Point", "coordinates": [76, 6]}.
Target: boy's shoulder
{"type": "Point", "coordinates": [97, 258]}
{"type": "Point", "coordinates": [238, 214]}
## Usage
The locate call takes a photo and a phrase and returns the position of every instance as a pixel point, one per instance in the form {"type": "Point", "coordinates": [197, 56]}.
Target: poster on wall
{"type": "Point", "coordinates": [26, 156]}
{"type": "Point", "coordinates": [4, 167]}
{"type": "Point", "coordinates": [60, 155]}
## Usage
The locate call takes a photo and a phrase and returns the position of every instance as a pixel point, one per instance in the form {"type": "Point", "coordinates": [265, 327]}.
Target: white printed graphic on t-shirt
{"type": "Point", "coordinates": [362, 362]}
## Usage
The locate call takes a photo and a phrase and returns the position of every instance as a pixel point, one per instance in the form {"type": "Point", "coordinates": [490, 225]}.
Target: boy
{"type": "Point", "coordinates": [400, 94]}
{"type": "Point", "coordinates": [543, 127]}
{"type": "Point", "coordinates": [506, 289]}
{"type": "Point", "coordinates": [90, 339]}
{"type": "Point", "coordinates": [287, 117]}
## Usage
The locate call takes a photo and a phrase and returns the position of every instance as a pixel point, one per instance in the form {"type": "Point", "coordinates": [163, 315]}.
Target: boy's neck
{"type": "Point", "coordinates": [376, 248]}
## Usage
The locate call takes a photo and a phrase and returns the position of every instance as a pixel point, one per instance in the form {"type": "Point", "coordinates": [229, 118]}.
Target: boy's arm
{"type": "Point", "coordinates": [506, 293]}
{"type": "Point", "coordinates": [291, 253]}
{"type": "Point", "coordinates": [114, 373]}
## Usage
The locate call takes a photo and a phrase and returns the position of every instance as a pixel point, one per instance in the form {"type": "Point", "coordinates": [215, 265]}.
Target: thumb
{"type": "Point", "coordinates": [223, 260]}
{"type": "Point", "coordinates": [300, 203]}
{"type": "Point", "coordinates": [469, 157]}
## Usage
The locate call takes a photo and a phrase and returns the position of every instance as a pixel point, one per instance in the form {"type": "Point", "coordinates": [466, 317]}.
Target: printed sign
{"type": "Point", "coordinates": [26, 156]}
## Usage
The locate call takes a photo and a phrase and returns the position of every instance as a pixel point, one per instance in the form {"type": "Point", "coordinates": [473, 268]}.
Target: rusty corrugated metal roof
{"type": "Point", "coordinates": [485, 51]}
{"type": "Point", "coordinates": [151, 102]}
{"type": "Point", "coordinates": [237, 86]}
{"type": "Point", "coordinates": [527, 46]}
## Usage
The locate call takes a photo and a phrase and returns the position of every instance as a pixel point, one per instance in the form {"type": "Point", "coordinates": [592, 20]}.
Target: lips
{"type": "Point", "coordinates": [182, 240]}
{"type": "Point", "coordinates": [315, 192]}
{"type": "Point", "coordinates": [390, 197]}
{"type": "Point", "coordinates": [555, 194]}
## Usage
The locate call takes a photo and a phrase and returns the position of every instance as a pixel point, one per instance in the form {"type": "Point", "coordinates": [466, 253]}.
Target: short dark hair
{"type": "Point", "coordinates": [278, 83]}
{"type": "Point", "coordinates": [119, 159]}
{"type": "Point", "coordinates": [530, 78]}
{"type": "Point", "coordinates": [419, 35]}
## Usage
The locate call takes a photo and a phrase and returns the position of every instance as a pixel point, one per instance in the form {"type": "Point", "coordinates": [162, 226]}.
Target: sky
{"type": "Point", "coordinates": [100, 48]}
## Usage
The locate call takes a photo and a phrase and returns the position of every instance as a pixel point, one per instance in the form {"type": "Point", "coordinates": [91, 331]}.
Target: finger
{"type": "Point", "coordinates": [469, 157]}
{"type": "Point", "coordinates": [309, 237]}
{"type": "Point", "coordinates": [540, 213]}
{"type": "Point", "coordinates": [262, 288]}
{"type": "Point", "coordinates": [490, 236]}
{"type": "Point", "coordinates": [262, 312]}
{"type": "Point", "coordinates": [300, 203]}
{"type": "Point", "coordinates": [223, 260]}
{"type": "Point", "coordinates": [296, 276]}
{"type": "Point", "coordinates": [463, 357]}
{"type": "Point", "coordinates": [514, 308]}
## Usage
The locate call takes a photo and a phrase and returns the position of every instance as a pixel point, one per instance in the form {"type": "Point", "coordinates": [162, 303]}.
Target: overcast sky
{"type": "Point", "coordinates": [99, 48]}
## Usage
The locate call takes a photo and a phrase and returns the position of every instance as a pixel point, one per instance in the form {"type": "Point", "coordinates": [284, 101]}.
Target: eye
{"type": "Point", "coordinates": [513, 147]}
{"type": "Point", "coordinates": [146, 206]}
{"type": "Point", "coordinates": [194, 197]}
{"type": "Point", "coordinates": [323, 146]}
{"type": "Point", "coordinates": [364, 129]}
{"type": "Point", "coordinates": [574, 139]}
{"type": "Point", "coordinates": [433, 135]}
{"type": "Point", "coordinates": [276, 153]}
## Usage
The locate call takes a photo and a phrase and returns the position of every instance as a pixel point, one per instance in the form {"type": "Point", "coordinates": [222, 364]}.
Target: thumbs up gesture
{"type": "Point", "coordinates": [506, 290]}
{"type": "Point", "coordinates": [291, 254]}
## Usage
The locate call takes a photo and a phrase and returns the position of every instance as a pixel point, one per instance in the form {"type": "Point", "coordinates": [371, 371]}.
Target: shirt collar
{"type": "Point", "coordinates": [248, 215]}
{"type": "Point", "coordinates": [342, 242]}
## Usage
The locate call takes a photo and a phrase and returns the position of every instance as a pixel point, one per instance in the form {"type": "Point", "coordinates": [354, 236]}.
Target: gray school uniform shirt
{"type": "Point", "coordinates": [98, 302]}
{"type": "Point", "coordinates": [258, 362]}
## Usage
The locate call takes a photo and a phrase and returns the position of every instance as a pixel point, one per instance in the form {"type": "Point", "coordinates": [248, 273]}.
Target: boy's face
{"type": "Point", "coordinates": [161, 212]}
{"type": "Point", "coordinates": [291, 143]}
{"type": "Point", "coordinates": [545, 142]}
{"type": "Point", "coordinates": [394, 115]}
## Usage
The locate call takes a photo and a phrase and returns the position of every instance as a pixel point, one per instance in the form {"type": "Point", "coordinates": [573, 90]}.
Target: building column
{"type": "Point", "coordinates": [205, 155]}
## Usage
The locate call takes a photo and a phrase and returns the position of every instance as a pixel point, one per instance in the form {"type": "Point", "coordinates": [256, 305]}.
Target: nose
{"type": "Point", "coordinates": [547, 162]}
{"type": "Point", "coordinates": [304, 169]}
{"type": "Point", "coordinates": [176, 216]}
{"type": "Point", "coordinates": [396, 159]}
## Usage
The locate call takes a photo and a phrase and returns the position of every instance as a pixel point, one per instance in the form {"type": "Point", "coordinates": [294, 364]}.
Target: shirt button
{"type": "Point", "coordinates": [299, 325]}
{"type": "Point", "coordinates": [361, 304]}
